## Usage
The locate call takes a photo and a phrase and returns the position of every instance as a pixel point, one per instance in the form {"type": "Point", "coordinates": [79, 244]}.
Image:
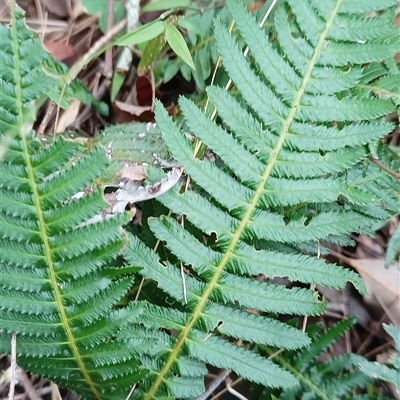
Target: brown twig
{"type": "Point", "coordinates": [108, 55]}
{"type": "Point", "coordinates": [81, 64]}
{"type": "Point", "coordinates": [384, 167]}
{"type": "Point", "coordinates": [27, 385]}
{"type": "Point", "coordinates": [214, 384]}
{"type": "Point", "coordinates": [49, 112]}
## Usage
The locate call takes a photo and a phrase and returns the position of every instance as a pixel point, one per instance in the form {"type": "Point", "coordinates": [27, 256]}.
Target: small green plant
{"type": "Point", "coordinates": [152, 36]}
{"type": "Point", "coordinates": [293, 170]}
{"type": "Point", "coordinates": [336, 378]}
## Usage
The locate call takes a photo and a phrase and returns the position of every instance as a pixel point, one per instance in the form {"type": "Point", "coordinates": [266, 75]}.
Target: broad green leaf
{"type": "Point", "coordinates": [178, 44]}
{"type": "Point", "coordinates": [151, 53]}
{"type": "Point", "coordinates": [142, 34]}
{"type": "Point", "coordinates": [117, 82]}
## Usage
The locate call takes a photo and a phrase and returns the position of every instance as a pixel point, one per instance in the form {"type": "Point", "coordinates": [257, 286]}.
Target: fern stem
{"type": "Point", "coordinates": [384, 167]}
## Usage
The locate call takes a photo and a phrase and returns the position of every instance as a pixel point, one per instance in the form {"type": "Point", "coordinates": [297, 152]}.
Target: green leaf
{"type": "Point", "coordinates": [159, 5]}
{"type": "Point", "coordinates": [185, 24]}
{"type": "Point", "coordinates": [100, 8]}
{"type": "Point", "coordinates": [275, 186]}
{"type": "Point", "coordinates": [332, 379]}
{"type": "Point", "coordinates": [151, 53]}
{"type": "Point", "coordinates": [286, 167]}
{"type": "Point", "coordinates": [178, 44]}
{"type": "Point", "coordinates": [142, 34]}
{"type": "Point", "coordinates": [117, 82]}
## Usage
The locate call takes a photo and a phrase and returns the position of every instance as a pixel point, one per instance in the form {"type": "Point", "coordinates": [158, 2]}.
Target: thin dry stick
{"type": "Point", "coordinates": [26, 383]}
{"type": "Point", "coordinates": [380, 349]}
{"type": "Point", "coordinates": [388, 311]}
{"type": "Point", "coordinates": [108, 56]}
{"type": "Point", "coordinates": [371, 335]}
{"type": "Point", "coordinates": [183, 284]}
{"type": "Point", "coordinates": [43, 23]}
{"type": "Point", "coordinates": [214, 384]}
{"type": "Point", "coordinates": [235, 393]}
{"type": "Point", "coordinates": [76, 68]}
{"type": "Point", "coordinates": [49, 112]}
{"type": "Point", "coordinates": [347, 333]}
{"type": "Point", "coordinates": [130, 392]}
{"type": "Point", "coordinates": [219, 394]}
{"type": "Point", "coordinates": [13, 366]}
{"type": "Point", "coordinates": [384, 167]}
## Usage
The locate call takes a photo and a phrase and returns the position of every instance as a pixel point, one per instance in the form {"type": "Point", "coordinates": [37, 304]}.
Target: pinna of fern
{"type": "Point", "coordinates": [284, 149]}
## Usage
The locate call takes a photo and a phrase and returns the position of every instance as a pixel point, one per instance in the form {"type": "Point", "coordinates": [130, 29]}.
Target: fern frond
{"type": "Point", "coordinates": [22, 78]}
{"type": "Point", "coordinates": [27, 73]}
{"type": "Point", "coordinates": [282, 154]}
{"type": "Point", "coordinates": [333, 379]}
{"type": "Point", "coordinates": [57, 291]}
{"type": "Point", "coordinates": [388, 373]}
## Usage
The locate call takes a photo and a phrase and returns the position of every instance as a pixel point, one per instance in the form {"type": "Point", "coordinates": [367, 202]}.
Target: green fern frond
{"type": "Point", "coordinates": [330, 380]}
{"type": "Point", "coordinates": [388, 373]}
{"type": "Point", "coordinates": [28, 73]}
{"type": "Point", "coordinates": [22, 77]}
{"type": "Point", "coordinates": [283, 151]}
{"type": "Point", "coordinates": [57, 291]}
{"type": "Point", "coordinates": [336, 378]}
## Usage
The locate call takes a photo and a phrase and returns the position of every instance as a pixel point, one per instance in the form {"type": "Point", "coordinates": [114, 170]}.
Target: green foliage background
{"type": "Point", "coordinates": [290, 175]}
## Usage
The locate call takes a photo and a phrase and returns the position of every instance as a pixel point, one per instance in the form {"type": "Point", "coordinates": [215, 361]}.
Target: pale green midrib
{"type": "Point", "coordinates": [53, 279]}
{"type": "Point", "coordinates": [241, 227]}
